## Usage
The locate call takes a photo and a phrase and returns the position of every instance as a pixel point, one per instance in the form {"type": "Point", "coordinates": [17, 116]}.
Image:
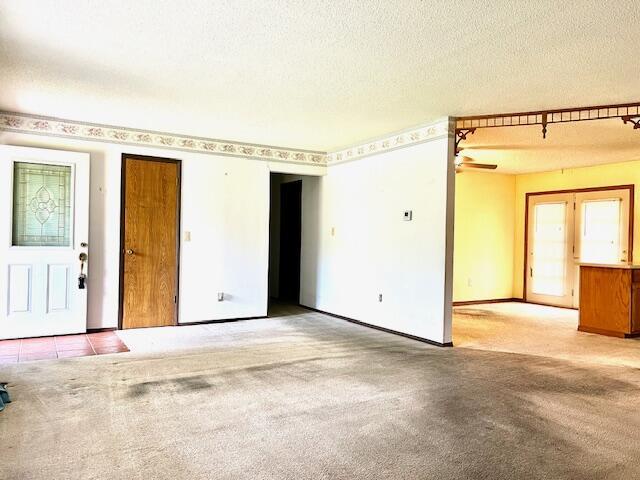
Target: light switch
{"type": "Point", "coordinates": [187, 236]}
{"type": "Point", "coordinates": [408, 215]}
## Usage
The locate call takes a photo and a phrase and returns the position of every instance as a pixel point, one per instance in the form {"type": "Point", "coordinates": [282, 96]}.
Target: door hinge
{"type": "Point", "coordinates": [175, 299]}
{"type": "Point", "coordinates": [572, 292]}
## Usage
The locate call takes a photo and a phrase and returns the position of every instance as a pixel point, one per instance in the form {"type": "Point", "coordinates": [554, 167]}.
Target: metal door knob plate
{"type": "Point", "coordinates": [129, 251]}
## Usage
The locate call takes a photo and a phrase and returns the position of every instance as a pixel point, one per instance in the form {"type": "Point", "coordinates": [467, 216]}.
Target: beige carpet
{"type": "Point", "coordinates": [306, 396]}
{"type": "Point", "coordinates": [538, 330]}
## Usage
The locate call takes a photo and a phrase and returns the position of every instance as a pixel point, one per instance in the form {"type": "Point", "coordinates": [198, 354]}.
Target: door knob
{"type": "Point", "coordinates": [129, 251]}
{"type": "Point", "coordinates": [82, 278]}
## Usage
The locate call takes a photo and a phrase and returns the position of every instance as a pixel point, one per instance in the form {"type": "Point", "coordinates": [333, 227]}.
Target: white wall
{"type": "Point", "coordinates": [373, 250]}
{"type": "Point", "coordinates": [225, 206]}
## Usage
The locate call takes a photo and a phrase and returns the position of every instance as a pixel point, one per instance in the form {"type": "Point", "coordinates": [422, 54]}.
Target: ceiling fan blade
{"type": "Point", "coordinates": [485, 166]}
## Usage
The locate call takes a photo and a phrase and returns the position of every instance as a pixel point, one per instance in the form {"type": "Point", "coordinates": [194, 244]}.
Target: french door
{"type": "Point", "coordinates": [550, 244]}
{"type": "Point", "coordinates": [44, 218]}
{"type": "Point", "coordinates": [566, 229]}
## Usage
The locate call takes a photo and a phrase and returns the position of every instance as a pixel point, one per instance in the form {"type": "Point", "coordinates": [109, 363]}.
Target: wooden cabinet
{"type": "Point", "coordinates": [610, 300]}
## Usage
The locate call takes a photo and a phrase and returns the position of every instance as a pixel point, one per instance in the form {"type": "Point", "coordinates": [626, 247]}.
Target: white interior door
{"type": "Point", "coordinates": [44, 219]}
{"type": "Point", "coordinates": [550, 250]}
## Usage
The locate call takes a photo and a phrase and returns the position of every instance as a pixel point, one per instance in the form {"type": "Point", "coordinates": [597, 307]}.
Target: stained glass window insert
{"type": "Point", "coordinates": [41, 205]}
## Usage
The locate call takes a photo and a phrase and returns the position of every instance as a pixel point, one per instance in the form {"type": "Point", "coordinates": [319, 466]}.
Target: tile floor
{"type": "Point", "coordinates": [65, 346]}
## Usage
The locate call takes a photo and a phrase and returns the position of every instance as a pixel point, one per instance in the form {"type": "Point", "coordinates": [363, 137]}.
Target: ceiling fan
{"type": "Point", "coordinates": [462, 163]}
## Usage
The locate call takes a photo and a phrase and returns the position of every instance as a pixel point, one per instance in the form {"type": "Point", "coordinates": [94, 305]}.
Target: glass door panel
{"type": "Point", "coordinates": [549, 249]}
{"type": "Point", "coordinates": [41, 205]}
{"type": "Point", "coordinates": [600, 231]}
{"type": "Point", "coordinates": [603, 226]}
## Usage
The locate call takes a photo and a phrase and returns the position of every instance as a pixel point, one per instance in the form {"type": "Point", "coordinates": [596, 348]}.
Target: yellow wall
{"type": "Point", "coordinates": [597, 176]}
{"type": "Point", "coordinates": [483, 243]}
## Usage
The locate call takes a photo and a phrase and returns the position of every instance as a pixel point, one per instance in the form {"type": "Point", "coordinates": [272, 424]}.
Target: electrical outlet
{"type": "Point", "coordinates": [469, 282]}
{"type": "Point", "coordinates": [333, 231]}
{"type": "Point", "coordinates": [380, 297]}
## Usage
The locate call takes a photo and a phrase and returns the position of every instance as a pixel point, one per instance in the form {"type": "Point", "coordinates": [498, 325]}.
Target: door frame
{"type": "Point", "coordinates": [528, 195]}
{"type": "Point", "coordinates": [123, 185]}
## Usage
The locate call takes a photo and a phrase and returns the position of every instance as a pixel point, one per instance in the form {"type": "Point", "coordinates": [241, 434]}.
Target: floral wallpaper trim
{"type": "Point", "coordinates": [403, 139]}
{"type": "Point", "coordinates": [24, 123]}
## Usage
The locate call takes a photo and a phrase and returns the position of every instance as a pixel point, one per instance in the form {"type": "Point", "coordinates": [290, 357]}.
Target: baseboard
{"type": "Point", "coordinates": [98, 330]}
{"type": "Point", "coordinates": [222, 320]}
{"type": "Point", "coordinates": [608, 333]}
{"type": "Point", "coordinates": [549, 305]}
{"type": "Point", "coordinates": [186, 324]}
{"type": "Point", "coordinates": [492, 300]}
{"type": "Point", "coordinates": [382, 329]}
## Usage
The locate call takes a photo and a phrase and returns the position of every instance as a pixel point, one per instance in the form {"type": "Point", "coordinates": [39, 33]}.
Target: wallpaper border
{"type": "Point", "coordinates": [413, 136]}
{"type": "Point", "coordinates": [57, 127]}
{"type": "Point", "coordinates": [40, 125]}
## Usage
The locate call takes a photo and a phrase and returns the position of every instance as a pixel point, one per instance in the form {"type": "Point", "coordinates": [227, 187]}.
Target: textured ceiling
{"type": "Point", "coordinates": [568, 145]}
{"type": "Point", "coordinates": [311, 74]}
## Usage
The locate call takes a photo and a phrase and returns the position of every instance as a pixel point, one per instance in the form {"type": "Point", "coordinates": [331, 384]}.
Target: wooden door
{"type": "Point", "coordinates": [151, 192]}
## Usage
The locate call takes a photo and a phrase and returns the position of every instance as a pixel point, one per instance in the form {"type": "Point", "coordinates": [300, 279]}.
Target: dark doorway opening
{"type": "Point", "coordinates": [285, 238]}
{"type": "Point", "coordinates": [290, 236]}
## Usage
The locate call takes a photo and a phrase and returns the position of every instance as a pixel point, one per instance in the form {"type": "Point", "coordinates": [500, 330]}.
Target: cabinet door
{"type": "Point", "coordinates": [635, 303]}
